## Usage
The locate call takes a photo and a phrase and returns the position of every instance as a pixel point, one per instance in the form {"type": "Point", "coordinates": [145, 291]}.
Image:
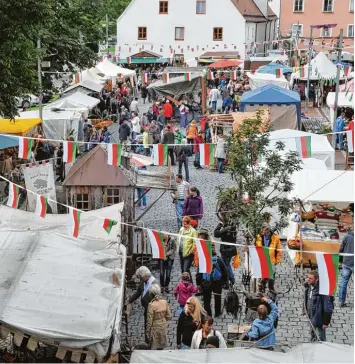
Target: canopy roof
{"type": "Point", "coordinates": [76, 100]}
{"type": "Point", "coordinates": [262, 79]}
{"type": "Point", "coordinates": [109, 69]}
{"type": "Point", "coordinates": [324, 352]}
{"type": "Point", "coordinates": [343, 99]}
{"type": "Point", "coordinates": [87, 84]}
{"type": "Point", "coordinates": [320, 146]}
{"type": "Point", "coordinates": [20, 125]}
{"type": "Point", "coordinates": [60, 288]}
{"type": "Point", "coordinates": [91, 75]}
{"type": "Point", "coordinates": [272, 67]}
{"type": "Point", "coordinates": [225, 63]}
{"type": "Point", "coordinates": [8, 141]}
{"type": "Point", "coordinates": [323, 185]}
{"type": "Point", "coordinates": [324, 67]}
{"type": "Point", "coordinates": [270, 95]}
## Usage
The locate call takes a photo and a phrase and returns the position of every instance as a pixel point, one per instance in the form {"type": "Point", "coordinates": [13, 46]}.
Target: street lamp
{"type": "Point", "coordinates": [318, 26]}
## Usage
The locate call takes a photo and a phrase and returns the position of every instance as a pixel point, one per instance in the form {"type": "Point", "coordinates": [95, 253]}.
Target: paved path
{"type": "Point", "coordinates": [292, 328]}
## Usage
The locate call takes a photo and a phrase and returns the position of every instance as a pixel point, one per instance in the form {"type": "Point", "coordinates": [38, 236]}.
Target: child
{"type": "Point", "coordinates": [185, 289]}
{"type": "Point", "coordinates": [146, 141]}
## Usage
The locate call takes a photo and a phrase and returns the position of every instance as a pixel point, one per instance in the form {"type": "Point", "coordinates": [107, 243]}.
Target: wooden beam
{"type": "Point", "coordinates": [150, 206]}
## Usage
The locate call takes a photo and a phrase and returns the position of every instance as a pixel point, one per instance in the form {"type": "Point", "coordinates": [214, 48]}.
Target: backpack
{"type": "Point", "coordinates": [216, 274]}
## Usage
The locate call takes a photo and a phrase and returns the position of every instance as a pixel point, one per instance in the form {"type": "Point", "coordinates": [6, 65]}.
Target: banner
{"type": "Point", "coordinates": [39, 178]}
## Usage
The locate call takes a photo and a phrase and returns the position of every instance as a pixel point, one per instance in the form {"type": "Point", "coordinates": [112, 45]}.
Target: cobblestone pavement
{"type": "Point", "coordinates": [292, 327]}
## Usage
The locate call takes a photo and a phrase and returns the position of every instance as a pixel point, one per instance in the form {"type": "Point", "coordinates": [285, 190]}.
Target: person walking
{"type": "Point", "coordinates": [184, 110]}
{"type": "Point", "coordinates": [124, 132]}
{"type": "Point", "coordinates": [187, 245]}
{"type": "Point", "coordinates": [220, 152]}
{"type": "Point", "coordinates": [188, 322]}
{"type": "Point", "coordinates": [272, 241]}
{"type": "Point", "coordinates": [339, 127]}
{"type": "Point", "coordinates": [213, 283]}
{"type": "Point", "coordinates": [184, 290]}
{"type": "Point", "coordinates": [199, 340]}
{"type": "Point", "coordinates": [169, 138]}
{"type": "Point", "coordinates": [347, 246]}
{"type": "Point", "coordinates": [179, 196]}
{"type": "Point", "coordinates": [146, 281]}
{"type": "Point", "coordinates": [227, 234]}
{"type": "Point", "coordinates": [136, 125]}
{"type": "Point", "coordinates": [134, 106]}
{"type": "Point", "coordinates": [158, 316]}
{"type": "Point", "coordinates": [193, 205]}
{"type": "Point", "coordinates": [144, 92]}
{"type": "Point", "coordinates": [191, 132]}
{"type": "Point", "coordinates": [196, 149]}
{"type": "Point", "coordinates": [179, 136]}
{"type": "Point", "coordinates": [319, 308]}
{"type": "Point", "coordinates": [263, 327]}
{"type": "Point", "coordinates": [214, 95]}
{"type": "Point", "coordinates": [166, 265]}
{"type": "Point", "coordinates": [168, 110]}
{"type": "Point", "coordinates": [183, 153]}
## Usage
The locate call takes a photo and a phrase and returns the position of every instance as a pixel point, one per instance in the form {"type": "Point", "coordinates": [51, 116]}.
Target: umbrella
{"type": "Point", "coordinates": [272, 67]}
{"type": "Point", "coordinates": [225, 63]}
{"type": "Point", "coordinates": [141, 160]}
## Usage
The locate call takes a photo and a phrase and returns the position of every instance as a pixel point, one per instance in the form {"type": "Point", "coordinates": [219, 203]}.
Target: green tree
{"type": "Point", "coordinates": [260, 187]}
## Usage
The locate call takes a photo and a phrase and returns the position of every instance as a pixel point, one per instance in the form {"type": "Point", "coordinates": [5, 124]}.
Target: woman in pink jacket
{"type": "Point", "coordinates": [184, 290]}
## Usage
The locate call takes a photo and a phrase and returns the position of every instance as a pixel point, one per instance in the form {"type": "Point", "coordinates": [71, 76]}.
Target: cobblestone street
{"type": "Point", "coordinates": [292, 327]}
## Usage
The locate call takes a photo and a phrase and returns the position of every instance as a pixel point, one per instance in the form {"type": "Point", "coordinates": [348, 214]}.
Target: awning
{"type": "Point", "coordinates": [18, 126]}
{"type": "Point", "coordinates": [225, 63]}
{"type": "Point", "coordinates": [143, 60]}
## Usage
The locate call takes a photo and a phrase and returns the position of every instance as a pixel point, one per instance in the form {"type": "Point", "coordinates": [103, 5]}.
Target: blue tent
{"type": "Point", "coordinates": [8, 141]}
{"type": "Point", "coordinates": [272, 67]}
{"type": "Point", "coordinates": [272, 95]}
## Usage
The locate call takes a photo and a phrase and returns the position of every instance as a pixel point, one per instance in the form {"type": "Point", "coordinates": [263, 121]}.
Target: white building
{"type": "Point", "coordinates": [187, 29]}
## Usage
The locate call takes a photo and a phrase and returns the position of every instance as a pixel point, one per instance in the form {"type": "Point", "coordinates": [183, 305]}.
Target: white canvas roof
{"type": "Point", "coordinates": [321, 148]}
{"type": "Point", "coordinates": [261, 79]}
{"type": "Point", "coordinates": [77, 99]}
{"type": "Point", "coordinates": [110, 70]}
{"type": "Point", "coordinates": [343, 101]}
{"type": "Point", "coordinates": [321, 185]}
{"type": "Point", "coordinates": [324, 352]}
{"type": "Point", "coordinates": [56, 124]}
{"type": "Point", "coordinates": [88, 84]}
{"type": "Point", "coordinates": [91, 75]}
{"type": "Point", "coordinates": [60, 288]}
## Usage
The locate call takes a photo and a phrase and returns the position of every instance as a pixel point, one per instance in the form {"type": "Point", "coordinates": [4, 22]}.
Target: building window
{"type": "Point", "coordinates": [217, 34]}
{"type": "Point", "coordinates": [351, 6]}
{"type": "Point", "coordinates": [179, 59]}
{"type": "Point", "coordinates": [82, 201]}
{"type": "Point", "coordinates": [179, 33]}
{"type": "Point", "coordinates": [328, 6]}
{"type": "Point", "coordinates": [142, 33]}
{"type": "Point", "coordinates": [112, 196]}
{"type": "Point", "coordinates": [298, 5]}
{"type": "Point", "coordinates": [326, 32]}
{"type": "Point", "coordinates": [201, 7]}
{"type": "Point", "coordinates": [350, 30]}
{"type": "Point", "coordinates": [295, 28]}
{"type": "Point", "coordinates": [163, 7]}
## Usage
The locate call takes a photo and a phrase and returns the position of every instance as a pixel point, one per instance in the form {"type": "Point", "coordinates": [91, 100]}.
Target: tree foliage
{"type": "Point", "coordinates": [70, 31]}
{"type": "Point", "coordinates": [260, 187]}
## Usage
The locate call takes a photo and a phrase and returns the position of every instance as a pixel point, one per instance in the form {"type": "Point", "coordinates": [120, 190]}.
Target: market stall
{"type": "Point", "coordinates": [345, 99]}
{"type": "Point", "coordinates": [272, 67]}
{"type": "Point", "coordinates": [320, 146]}
{"type": "Point", "coordinates": [324, 352]}
{"type": "Point", "coordinates": [20, 125]}
{"type": "Point", "coordinates": [284, 105]}
{"type": "Point", "coordinates": [325, 215]}
{"type": "Point", "coordinates": [73, 288]}
{"type": "Point", "coordinates": [257, 80]}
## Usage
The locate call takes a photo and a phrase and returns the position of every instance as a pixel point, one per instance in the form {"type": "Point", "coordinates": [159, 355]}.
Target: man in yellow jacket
{"type": "Point", "coordinates": [271, 240]}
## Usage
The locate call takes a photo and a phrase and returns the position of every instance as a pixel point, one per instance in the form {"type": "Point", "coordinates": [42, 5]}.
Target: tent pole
{"type": "Point", "coordinates": [309, 68]}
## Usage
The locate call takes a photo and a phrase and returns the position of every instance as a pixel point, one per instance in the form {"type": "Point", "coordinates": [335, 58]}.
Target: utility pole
{"type": "Point", "coordinates": [309, 67]}
{"type": "Point", "coordinates": [340, 46]}
{"type": "Point", "coordinates": [108, 50]}
{"type": "Point", "coordinates": [39, 73]}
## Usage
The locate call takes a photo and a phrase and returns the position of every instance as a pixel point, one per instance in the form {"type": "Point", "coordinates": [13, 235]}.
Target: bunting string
{"type": "Point", "coordinates": [178, 236]}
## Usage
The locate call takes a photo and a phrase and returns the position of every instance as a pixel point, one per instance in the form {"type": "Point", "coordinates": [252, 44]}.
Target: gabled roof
{"type": "Point", "coordinates": [251, 13]}
{"type": "Point", "coordinates": [146, 53]}
{"type": "Point", "coordinates": [92, 170]}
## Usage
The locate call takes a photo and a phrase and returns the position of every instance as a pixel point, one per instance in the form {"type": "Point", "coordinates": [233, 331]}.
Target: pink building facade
{"type": "Point", "coordinates": [315, 12]}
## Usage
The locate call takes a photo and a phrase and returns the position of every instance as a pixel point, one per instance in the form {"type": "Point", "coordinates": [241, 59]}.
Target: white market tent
{"type": "Point", "coordinates": [343, 101]}
{"type": "Point", "coordinates": [261, 79]}
{"type": "Point", "coordinates": [323, 185]}
{"type": "Point", "coordinates": [57, 124]}
{"type": "Point", "coordinates": [86, 87]}
{"type": "Point", "coordinates": [324, 352]}
{"type": "Point", "coordinates": [91, 75]}
{"type": "Point", "coordinates": [77, 101]}
{"type": "Point", "coordinates": [60, 288]}
{"type": "Point", "coordinates": [321, 148]}
{"type": "Point", "coordinates": [108, 69]}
